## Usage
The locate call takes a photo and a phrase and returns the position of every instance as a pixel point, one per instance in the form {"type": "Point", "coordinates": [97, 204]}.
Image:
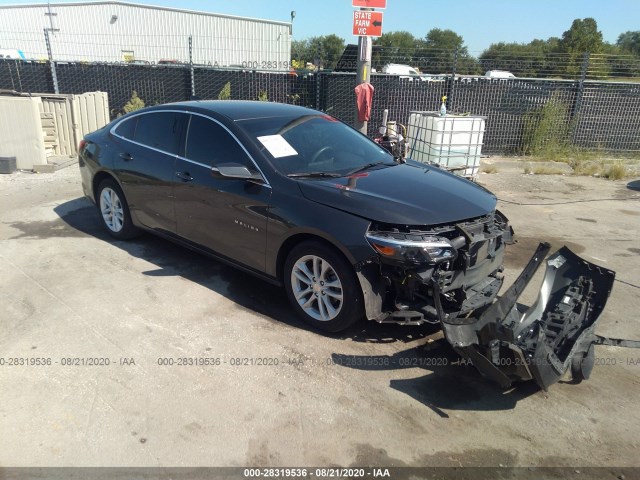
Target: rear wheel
{"type": "Point", "coordinates": [322, 287]}
{"type": "Point", "coordinates": [114, 210]}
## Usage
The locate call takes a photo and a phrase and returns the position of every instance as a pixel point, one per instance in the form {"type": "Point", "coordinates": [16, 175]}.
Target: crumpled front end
{"type": "Point", "coordinates": [451, 274]}
{"type": "Point", "coordinates": [421, 274]}
{"type": "Point", "coordinates": [509, 342]}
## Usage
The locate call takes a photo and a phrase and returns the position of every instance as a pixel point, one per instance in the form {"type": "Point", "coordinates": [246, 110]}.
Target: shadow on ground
{"type": "Point", "coordinates": [452, 384]}
{"type": "Point", "coordinates": [78, 218]}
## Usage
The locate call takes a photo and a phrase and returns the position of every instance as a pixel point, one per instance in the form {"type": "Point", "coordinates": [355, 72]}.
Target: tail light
{"type": "Point", "coordinates": [81, 145]}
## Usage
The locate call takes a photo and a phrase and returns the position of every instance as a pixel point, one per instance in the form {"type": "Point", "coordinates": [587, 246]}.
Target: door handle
{"type": "Point", "coordinates": [126, 157]}
{"type": "Point", "coordinates": [184, 176]}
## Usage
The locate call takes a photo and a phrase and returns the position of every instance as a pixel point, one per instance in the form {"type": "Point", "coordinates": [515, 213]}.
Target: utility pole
{"type": "Point", "coordinates": [47, 41]}
{"type": "Point", "coordinates": [365, 46]}
{"type": "Point", "coordinates": [52, 64]}
{"type": "Point", "coordinates": [50, 14]}
{"type": "Point", "coordinates": [193, 81]}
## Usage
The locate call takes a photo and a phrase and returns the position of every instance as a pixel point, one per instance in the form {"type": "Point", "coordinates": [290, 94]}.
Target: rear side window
{"type": "Point", "coordinates": [160, 130]}
{"type": "Point", "coordinates": [210, 144]}
{"type": "Point", "coordinates": [127, 128]}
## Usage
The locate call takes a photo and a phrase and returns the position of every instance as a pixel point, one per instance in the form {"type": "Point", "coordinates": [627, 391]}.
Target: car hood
{"type": "Point", "coordinates": [410, 193]}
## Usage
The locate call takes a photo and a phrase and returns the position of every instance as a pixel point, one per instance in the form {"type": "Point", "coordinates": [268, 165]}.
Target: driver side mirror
{"type": "Point", "coordinates": [237, 171]}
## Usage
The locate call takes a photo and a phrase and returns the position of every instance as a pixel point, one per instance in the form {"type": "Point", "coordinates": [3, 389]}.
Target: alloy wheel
{"type": "Point", "coordinates": [317, 288]}
{"type": "Point", "coordinates": [112, 210]}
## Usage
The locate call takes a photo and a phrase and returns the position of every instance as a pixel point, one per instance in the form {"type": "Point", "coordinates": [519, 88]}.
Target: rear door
{"type": "Point", "coordinates": [228, 216]}
{"type": "Point", "coordinates": [145, 162]}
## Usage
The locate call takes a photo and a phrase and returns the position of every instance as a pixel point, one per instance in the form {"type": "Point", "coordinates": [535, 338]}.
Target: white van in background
{"type": "Point", "coordinates": [406, 71]}
{"type": "Point", "coordinates": [499, 74]}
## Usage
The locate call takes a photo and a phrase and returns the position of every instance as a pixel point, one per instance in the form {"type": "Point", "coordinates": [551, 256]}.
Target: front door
{"type": "Point", "coordinates": [225, 215]}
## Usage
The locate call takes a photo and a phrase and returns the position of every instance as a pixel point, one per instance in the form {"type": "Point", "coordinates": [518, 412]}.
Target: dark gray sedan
{"type": "Point", "coordinates": [305, 201]}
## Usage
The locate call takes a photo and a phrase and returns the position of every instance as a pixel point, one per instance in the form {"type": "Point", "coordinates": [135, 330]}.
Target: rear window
{"type": "Point", "coordinates": [127, 128]}
{"type": "Point", "coordinates": [160, 130]}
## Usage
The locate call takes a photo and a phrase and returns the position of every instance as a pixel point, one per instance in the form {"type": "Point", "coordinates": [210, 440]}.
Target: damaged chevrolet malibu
{"type": "Point", "coordinates": [302, 200]}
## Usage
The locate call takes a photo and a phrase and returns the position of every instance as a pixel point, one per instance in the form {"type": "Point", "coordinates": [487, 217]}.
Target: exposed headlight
{"type": "Point", "coordinates": [428, 249]}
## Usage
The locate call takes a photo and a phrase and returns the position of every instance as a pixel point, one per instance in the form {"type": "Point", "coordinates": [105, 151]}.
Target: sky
{"type": "Point", "coordinates": [479, 22]}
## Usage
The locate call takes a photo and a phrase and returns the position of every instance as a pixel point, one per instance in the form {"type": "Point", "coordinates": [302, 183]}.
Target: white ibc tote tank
{"type": "Point", "coordinates": [452, 141]}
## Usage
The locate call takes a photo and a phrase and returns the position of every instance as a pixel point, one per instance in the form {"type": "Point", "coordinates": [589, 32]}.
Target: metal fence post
{"type": "Point", "coordinates": [577, 104]}
{"type": "Point", "coordinates": [52, 64]}
{"type": "Point", "coordinates": [452, 83]}
{"type": "Point", "coordinates": [318, 78]}
{"type": "Point", "coordinates": [193, 82]}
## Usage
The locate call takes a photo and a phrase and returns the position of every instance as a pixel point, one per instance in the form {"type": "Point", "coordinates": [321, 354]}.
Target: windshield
{"type": "Point", "coordinates": [314, 144]}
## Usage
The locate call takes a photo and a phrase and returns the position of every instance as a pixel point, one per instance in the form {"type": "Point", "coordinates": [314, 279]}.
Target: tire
{"type": "Point", "coordinates": [114, 211]}
{"type": "Point", "coordinates": [322, 287]}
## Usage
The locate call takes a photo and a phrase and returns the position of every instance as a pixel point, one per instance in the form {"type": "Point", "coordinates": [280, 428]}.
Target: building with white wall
{"type": "Point", "coordinates": [114, 31]}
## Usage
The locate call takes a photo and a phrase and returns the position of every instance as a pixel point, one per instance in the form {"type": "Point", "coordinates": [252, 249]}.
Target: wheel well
{"type": "Point", "coordinates": [100, 176]}
{"type": "Point", "coordinates": [294, 240]}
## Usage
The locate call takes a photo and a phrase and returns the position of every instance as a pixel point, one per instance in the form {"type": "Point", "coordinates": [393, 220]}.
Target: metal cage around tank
{"type": "Point", "coordinates": [452, 141]}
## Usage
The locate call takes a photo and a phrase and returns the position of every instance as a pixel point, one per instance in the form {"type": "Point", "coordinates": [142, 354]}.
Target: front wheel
{"type": "Point", "coordinates": [114, 210]}
{"type": "Point", "coordinates": [322, 287]}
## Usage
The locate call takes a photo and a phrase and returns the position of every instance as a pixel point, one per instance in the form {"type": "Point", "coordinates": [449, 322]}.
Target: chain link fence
{"type": "Point", "coordinates": [596, 106]}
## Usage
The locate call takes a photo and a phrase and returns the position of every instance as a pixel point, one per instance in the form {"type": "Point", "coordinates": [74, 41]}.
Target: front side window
{"type": "Point", "coordinates": [160, 130]}
{"type": "Point", "coordinates": [211, 144]}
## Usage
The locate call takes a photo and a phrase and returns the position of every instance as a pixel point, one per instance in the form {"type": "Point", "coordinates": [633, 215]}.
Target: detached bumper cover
{"type": "Point", "coordinates": [508, 343]}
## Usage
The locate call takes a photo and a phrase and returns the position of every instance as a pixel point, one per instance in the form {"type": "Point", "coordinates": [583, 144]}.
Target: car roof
{"type": "Point", "coordinates": [244, 110]}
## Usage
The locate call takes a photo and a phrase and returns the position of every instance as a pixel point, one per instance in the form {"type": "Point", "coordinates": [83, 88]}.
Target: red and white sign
{"type": "Point", "coordinates": [367, 23]}
{"type": "Point", "coordinates": [370, 3]}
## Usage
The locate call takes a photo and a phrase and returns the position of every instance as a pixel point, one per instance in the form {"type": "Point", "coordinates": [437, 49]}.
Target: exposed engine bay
{"type": "Point", "coordinates": [442, 270]}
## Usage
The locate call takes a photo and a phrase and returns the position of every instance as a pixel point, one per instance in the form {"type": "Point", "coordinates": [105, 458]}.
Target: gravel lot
{"type": "Point", "coordinates": [67, 291]}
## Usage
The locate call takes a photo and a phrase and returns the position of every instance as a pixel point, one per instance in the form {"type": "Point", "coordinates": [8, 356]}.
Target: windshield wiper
{"type": "Point", "coordinates": [314, 175]}
{"type": "Point", "coordinates": [368, 166]}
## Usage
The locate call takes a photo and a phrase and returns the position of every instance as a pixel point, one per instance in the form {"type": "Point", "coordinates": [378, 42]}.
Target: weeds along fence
{"type": "Point", "coordinates": [523, 115]}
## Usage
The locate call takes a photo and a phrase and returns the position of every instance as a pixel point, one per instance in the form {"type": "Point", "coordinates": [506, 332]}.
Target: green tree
{"type": "Point", "coordinates": [629, 42]}
{"type": "Point", "coordinates": [396, 47]}
{"type": "Point", "coordinates": [583, 37]}
{"type": "Point", "coordinates": [504, 56]}
{"type": "Point", "coordinates": [445, 40]}
{"type": "Point", "coordinates": [620, 63]}
{"type": "Point", "coordinates": [468, 65]}
{"type": "Point", "coordinates": [323, 51]}
{"type": "Point", "coordinates": [439, 50]}
{"type": "Point", "coordinates": [401, 40]}
{"type": "Point", "coordinates": [225, 93]}
{"type": "Point", "coordinates": [300, 52]}
{"type": "Point", "coordinates": [559, 57]}
{"type": "Point", "coordinates": [553, 44]}
{"type": "Point", "coordinates": [533, 59]}
{"type": "Point", "coordinates": [545, 63]}
{"type": "Point", "coordinates": [136, 103]}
